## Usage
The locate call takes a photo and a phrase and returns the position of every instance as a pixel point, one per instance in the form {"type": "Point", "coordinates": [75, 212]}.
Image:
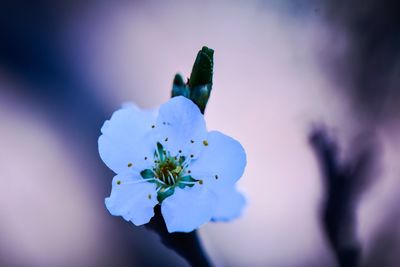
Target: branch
{"type": "Point", "coordinates": [344, 183]}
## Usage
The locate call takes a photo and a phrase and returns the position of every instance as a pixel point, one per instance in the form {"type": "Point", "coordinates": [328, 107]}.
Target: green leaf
{"type": "Point", "coordinates": [160, 151]}
{"type": "Point", "coordinates": [163, 194]}
{"type": "Point", "coordinates": [147, 173]}
{"type": "Point", "coordinates": [186, 178]}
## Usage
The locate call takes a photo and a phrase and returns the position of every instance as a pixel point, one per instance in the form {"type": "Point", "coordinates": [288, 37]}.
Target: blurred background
{"type": "Point", "coordinates": [280, 67]}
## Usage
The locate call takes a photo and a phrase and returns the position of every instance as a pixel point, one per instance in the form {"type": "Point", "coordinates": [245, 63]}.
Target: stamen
{"type": "Point", "coordinates": [138, 181]}
{"type": "Point", "coordinates": [187, 182]}
{"type": "Point", "coordinates": [191, 141]}
{"type": "Point", "coordinates": [180, 151]}
{"type": "Point", "coordinates": [166, 139]}
{"type": "Point", "coordinates": [158, 180]}
{"type": "Point", "coordinates": [171, 176]}
{"type": "Point", "coordinates": [158, 189]}
{"type": "Point", "coordinates": [205, 143]}
{"type": "Point", "coordinates": [191, 155]}
{"type": "Point", "coordinates": [200, 181]}
{"type": "Point", "coordinates": [118, 182]}
{"type": "Point", "coordinates": [149, 196]}
{"type": "Point", "coordinates": [153, 126]}
{"type": "Point", "coordinates": [130, 164]}
{"type": "Point", "coordinates": [216, 177]}
{"type": "Point", "coordinates": [177, 169]}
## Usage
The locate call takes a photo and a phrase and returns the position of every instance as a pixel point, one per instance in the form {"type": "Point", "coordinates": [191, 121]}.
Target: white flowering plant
{"type": "Point", "coordinates": [167, 157]}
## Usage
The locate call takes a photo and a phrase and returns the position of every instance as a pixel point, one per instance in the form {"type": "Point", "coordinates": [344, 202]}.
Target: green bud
{"type": "Point", "coordinates": [200, 95]}
{"type": "Point", "coordinates": [202, 71]}
{"type": "Point", "coordinates": [179, 87]}
{"type": "Point", "coordinates": [199, 86]}
{"type": "Point", "coordinates": [178, 80]}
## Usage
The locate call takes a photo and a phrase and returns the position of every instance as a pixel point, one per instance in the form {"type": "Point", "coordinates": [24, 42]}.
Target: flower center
{"type": "Point", "coordinates": [168, 170]}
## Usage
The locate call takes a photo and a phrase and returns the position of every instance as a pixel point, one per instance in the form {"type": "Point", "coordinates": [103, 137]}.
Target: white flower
{"type": "Point", "coordinates": [170, 159]}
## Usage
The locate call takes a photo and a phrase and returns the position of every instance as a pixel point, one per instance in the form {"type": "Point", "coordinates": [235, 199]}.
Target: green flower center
{"type": "Point", "coordinates": [168, 172]}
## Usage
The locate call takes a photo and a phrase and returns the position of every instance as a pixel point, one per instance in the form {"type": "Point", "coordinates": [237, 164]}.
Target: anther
{"type": "Point", "coordinates": [153, 126]}
{"type": "Point", "coordinates": [130, 164]}
{"type": "Point", "coordinates": [189, 171]}
{"type": "Point", "coordinates": [205, 143]}
{"type": "Point", "coordinates": [166, 139]}
{"type": "Point", "coordinates": [149, 196]}
{"type": "Point", "coordinates": [200, 181]}
{"type": "Point", "coordinates": [118, 182]}
{"type": "Point", "coordinates": [216, 177]}
{"type": "Point", "coordinates": [191, 141]}
{"type": "Point", "coordinates": [145, 158]}
{"type": "Point", "coordinates": [191, 155]}
{"type": "Point", "coordinates": [180, 151]}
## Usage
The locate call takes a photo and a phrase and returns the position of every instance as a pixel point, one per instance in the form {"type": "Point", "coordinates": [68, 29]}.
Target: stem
{"type": "Point", "coordinates": [187, 245]}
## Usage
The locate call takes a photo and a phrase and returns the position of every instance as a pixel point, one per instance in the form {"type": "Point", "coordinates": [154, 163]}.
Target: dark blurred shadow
{"type": "Point", "coordinates": [31, 52]}
{"type": "Point", "coordinates": [386, 240]}
{"type": "Point", "coordinates": [369, 67]}
{"type": "Point", "coordinates": [345, 181]}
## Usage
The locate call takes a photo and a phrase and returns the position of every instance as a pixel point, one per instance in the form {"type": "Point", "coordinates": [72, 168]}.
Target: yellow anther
{"type": "Point", "coordinates": [118, 182]}
{"type": "Point", "coordinates": [130, 164]}
{"type": "Point", "coordinates": [178, 169]}
{"type": "Point", "coordinates": [205, 143]}
{"type": "Point", "coordinates": [200, 181]}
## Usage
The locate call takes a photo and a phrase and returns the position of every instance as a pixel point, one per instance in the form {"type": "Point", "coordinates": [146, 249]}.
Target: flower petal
{"type": "Point", "coordinates": [221, 162]}
{"type": "Point", "coordinates": [188, 208]}
{"type": "Point", "coordinates": [230, 204]}
{"type": "Point", "coordinates": [127, 140]}
{"type": "Point", "coordinates": [132, 198]}
{"type": "Point", "coordinates": [181, 126]}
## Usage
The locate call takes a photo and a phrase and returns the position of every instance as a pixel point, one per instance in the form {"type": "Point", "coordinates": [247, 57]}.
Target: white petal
{"type": "Point", "coordinates": [132, 198]}
{"type": "Point", "coordinates": [188, 208]}
{"type": "Point", "coordinates": [127, 139]}
{"type": "Point", "coordinates": [230, 204]}
{"type": "Point", "coordinates": [221, 162]}
{"type": "Point", "coordinates": [181, 126]}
